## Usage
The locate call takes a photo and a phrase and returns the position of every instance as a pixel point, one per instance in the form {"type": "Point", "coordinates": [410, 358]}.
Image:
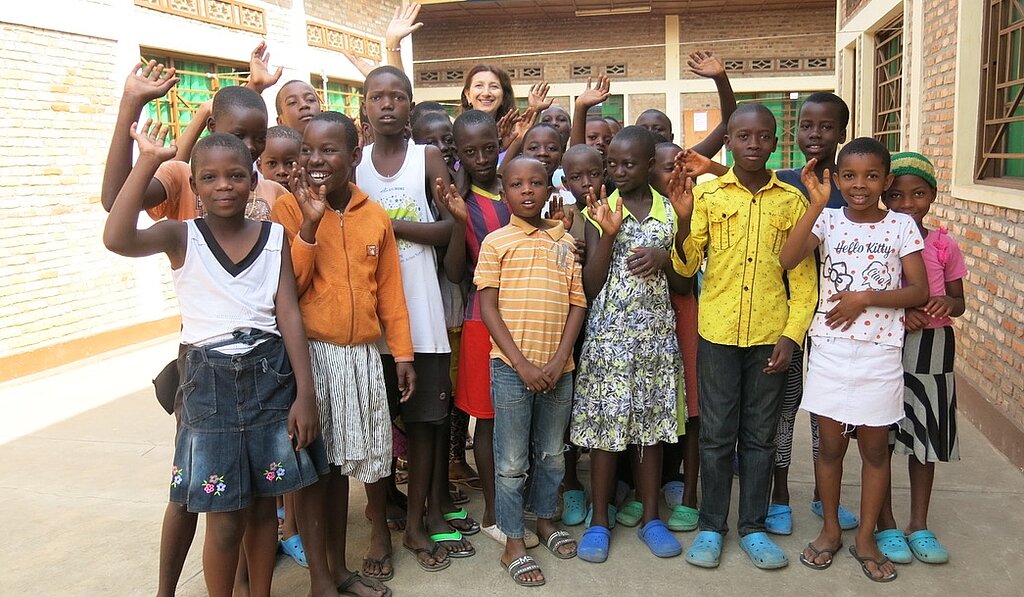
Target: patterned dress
{"type": "Point", "coordinates": [629, 379]}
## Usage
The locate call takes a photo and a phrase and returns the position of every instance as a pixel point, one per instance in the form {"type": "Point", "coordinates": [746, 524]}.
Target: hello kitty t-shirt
{"type": "Point", "coordinates": [863, 257]}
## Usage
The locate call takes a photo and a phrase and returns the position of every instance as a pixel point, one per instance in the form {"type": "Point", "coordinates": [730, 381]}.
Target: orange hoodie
{"type": "Point", "coordinates": [349, 282]}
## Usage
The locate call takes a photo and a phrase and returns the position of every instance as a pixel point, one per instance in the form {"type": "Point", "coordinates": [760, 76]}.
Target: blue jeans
{"type": "Point", "coordinates": [527, 423]}
{"type": "Point", "coordinates": [739, 409]}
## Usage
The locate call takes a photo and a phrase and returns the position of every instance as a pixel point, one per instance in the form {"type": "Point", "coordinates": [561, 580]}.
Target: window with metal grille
{"type": "Point", "coordinates": [338, 96]}
{"type": "Point", "coordinates": [889, 84]}
{"type": "Point", "coordinates": [200, 78]}
{"type": "Point", "coordinates": [786, 108]}
{"type": "Point", "coordinates": [615, 70]}
{"type": "Point", "coordinates": [582, 71]}
{"type": "Point", "coordinates": [1001, 130]}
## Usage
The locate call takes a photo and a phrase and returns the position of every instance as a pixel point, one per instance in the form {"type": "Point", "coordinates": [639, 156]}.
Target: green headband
{"type": "Point", "coordinates": [911, 162]}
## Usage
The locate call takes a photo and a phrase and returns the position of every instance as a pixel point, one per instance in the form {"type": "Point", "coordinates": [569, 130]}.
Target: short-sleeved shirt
{"type": "Point", "coordinates": [944, 263]}
{"type": "Point", "coordinates": [860, 257]}
{"type": "Point", "coordinates": [792, 177]}
{"type": "Point", "coordinates": [182, 204]}
{"type": "Point", "coordinates": [487, 212]}
{"type": "Point", "coordinates": [538, 278]}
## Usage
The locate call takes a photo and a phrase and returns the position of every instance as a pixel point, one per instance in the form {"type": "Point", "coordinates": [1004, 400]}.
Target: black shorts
{"type": "Point", "coordinates": [429, 403]}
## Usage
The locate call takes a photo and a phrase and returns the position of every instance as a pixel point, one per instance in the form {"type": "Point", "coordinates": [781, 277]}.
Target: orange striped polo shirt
{"type": "Point", "coordinates": [537, 277]}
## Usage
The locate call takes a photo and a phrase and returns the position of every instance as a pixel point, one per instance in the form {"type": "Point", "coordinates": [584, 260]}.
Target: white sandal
{"type": "Point", "coordinates": [529, 537]}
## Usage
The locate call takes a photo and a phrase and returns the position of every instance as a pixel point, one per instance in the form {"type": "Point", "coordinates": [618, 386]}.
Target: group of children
{"type": "Point", "coordinates": [561, 279]}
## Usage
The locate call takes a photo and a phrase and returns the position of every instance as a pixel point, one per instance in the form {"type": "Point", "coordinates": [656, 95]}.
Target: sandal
{"type": "Point", "coordinates": [292, 546]}
{"type": "Point", "coordinates": [706, 549]}
{"type": "Point", "coordinates": [926, 547]}
{"type": "Point", "coordinates": [521, 566]}
{"type": "Point", "coordinates": [556, 541]}
{"type": "Point", "coordinates": [779, 520]}
{"type": "Point", "coordinates": [673, 493]}
{"type": "Point", "coordinates": [372, 584]}
{"type": "Point", "coordinates": [892, 543]}
{"type": "Point", "coordinates": [382, 563]}
{"type": "Point", "coordinates": [683, 518]}
{"type": "Point", "coordinates": [529, 537]}
{"type": "Point", "coordinates": [810, 563]}
{"type": "Point", "coordinates": [847, 520]}
{"type": "Point", "coordinates": [438, 564]}
{"type": "Point", "coordinates": [877, 563]}
{"type": "Point", "coordinates": [459, 550]}
{"type": "Point", "coordinates": [659, 539]}
{"type": "Point", "coordinates": [574, 507]}
{"type": "Point", "coordinates": [630, 514]}
{"type": "Point", "coordinates": [763, 552]}
{"type": "Point", "coordinates": [466, 525]}
{"type": "Point", "coordinates": [593, 546]}
{"type": "Point", "coordinates": [456, 495]}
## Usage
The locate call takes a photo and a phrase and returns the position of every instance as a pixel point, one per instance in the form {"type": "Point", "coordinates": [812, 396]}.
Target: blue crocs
{"type": "Point", "coordinates": [574, 507]}
{"type": "Point", "coordinates": [593, 546]}
{"type": "Point", "coordinates": [926, 547]}
{"type": "Point", "coordinates": [659, 539]}
{"type": "Point", "coordinates": [292, 546]}
{"type": "Point", "coordinates": [893, 545]}
{"type": "Point", "coordinates": [706, 549]}
{"type": "Point", "coordinates": [779, 520]}
{"type": "Point", "coordinates": [673, 492]}
{"type": "Point", "coordinates": [763, 552]}
{"type": "Point", "coordinates": [847, 520]}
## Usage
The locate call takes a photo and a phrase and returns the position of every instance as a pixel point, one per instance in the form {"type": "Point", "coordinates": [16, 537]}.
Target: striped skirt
{"type": "Point", "coordinates": [929, 399]}
{"type": "Point", "coordinates": [354, 419]}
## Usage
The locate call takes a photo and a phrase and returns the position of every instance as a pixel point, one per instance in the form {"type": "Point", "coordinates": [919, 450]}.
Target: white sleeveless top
{"type": "Point", "coordinates": [217, 297]}
{"type": "Point", "coordinates": [404, 197]}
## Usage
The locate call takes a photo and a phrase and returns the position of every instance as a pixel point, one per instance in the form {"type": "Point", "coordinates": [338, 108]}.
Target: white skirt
{"type": "Point", "coordinates": [854, 382]}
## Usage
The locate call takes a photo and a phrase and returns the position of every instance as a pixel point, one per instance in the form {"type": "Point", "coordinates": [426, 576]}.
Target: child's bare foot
{"type": "Point", "coordinates": [377, 562]}
{"type": "Point", "coordinates": [354, 584]}
{"type": "Point", "coordinates": [545, 529]}
{"type": "Point", "coordinates": [462, 473]}
{"type": "Point", "coordinates": [875, 566]}
{"type": "Point", "coordinates": [819, 553]}
{"type": "Point", "coordinates": [514, 550]}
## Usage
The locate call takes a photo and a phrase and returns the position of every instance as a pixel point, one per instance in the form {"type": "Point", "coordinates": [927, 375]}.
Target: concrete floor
{"type": "Point", "coordinates": [86, 451]}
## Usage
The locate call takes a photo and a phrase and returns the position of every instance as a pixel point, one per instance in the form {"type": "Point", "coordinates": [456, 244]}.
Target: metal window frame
{"type": "Point", "coordinates": [887, 118]}
{"type": "Point", "coordinates": [998, 100]}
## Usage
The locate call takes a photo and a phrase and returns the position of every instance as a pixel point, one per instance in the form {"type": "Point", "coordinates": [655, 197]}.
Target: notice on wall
{"type": "Point", "coordinates": [700, 122]}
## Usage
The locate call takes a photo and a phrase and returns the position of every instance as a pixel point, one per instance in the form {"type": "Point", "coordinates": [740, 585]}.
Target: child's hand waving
{"type": "Point", "coordinates": [149, 81]}
{"type": "Point", "coordinates": [705, 64]}
{"type": "Point", "coordinates": [151, 139]}
{"type": "Point", "coordinates": [851, 306]}
{"type": "Point", "coordinates": [594, 96]}
{"type": "Point", "coordinates": [506, 125]}
{"type": "Point", "coordinates": [557, 211]}
{"type": "Point", "coordinates": [313, 204]}
{"type": "Point", "coordinates": [522, 125]}
{"type": "Point", "coordinates": [260, 77]}
{"type": "Point", "coordinates": [449, 197]}
{"type": "Point", "coordinates": [539, 100]}
{"type": "Point", "coordinates": [402, 25]}
{"type": "Point", "coordinates": [610, 220]}
{"type": "Point", "coordinates": [818, 190]}
{"type": "Point", "coordinates": [680, 188]}
{"type": "Point", "coordinates": [695, 164]}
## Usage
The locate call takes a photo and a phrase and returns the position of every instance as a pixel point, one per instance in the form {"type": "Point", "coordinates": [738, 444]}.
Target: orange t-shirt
{"type": "Point", "coordinates": [182, 204]}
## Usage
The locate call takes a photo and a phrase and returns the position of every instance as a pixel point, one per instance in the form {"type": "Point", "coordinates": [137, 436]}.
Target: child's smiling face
{"type": "Point", "coordinates": [911, 195]}
{"type": "Point", "coordinates": [862, 179]}
{"type": "Point", "coordinates": [326, 157]}
{"type": "Point", "coordinates": [544, 144]}
{"type": "Point", "coordinates": [223, 181]}
{"type": "Point", "coordinates": [558, 118]}
{"type": "Point", "coordinates": [297, 105]}
{"type": "Point", "coordinates": [818, 131]}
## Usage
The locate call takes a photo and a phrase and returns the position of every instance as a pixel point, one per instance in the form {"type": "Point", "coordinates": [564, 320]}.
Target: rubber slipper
{"type": "Point", "coordinates": [763, 552]}
{"type": "Point", "coordinates": [612, 513]}
{"type": "Point", "coordinates": [529, 537]}
{"type": "Point", "coordinates": [683, 518]}
{"type": "Point", "coordinates": [893, 545]}
{"type": "Point", "coordinates": [457, 496]}
{"type": "Point", "coordinates": [810, 563]}
{"type": "Point", "coordinates": [430, 553]}
{"type": "Point", "coordinates": [521, 566]}
{"type": "Point", "coordinates": [593, 546]}
{"type": "Point", "coordinates": [574, 507]}
{"type": "Point", "coordinates": [706, 549]}
{"type": "Point", "coordinates": [470, 526]}
{"type": "Point", "coordinates": [630, 514]}
{"type": "Point", "coordinates": [470, 482]}
{"type": "Point", "coordinates": [847, 520]}
{"type": "Point", "coordinates": [556, 541]}
{"type": "Point", "coordinates": [280, 513]}
{"type": "Point", "coordinates": [779, 520]}
{"type": "Point", "coordinates": [382, 563]}
{"type": "Point", "coordinates": [673, 493]}
{"type": "Point", "coordinates": [292, 546]}
{"type": "Point", "coordinates": [370, 583]}
{"type": "Point", "coordinates": [458, 550]}
{"type": "Point", "coordinates": [864, 566]}
{"type": "Point", "coordinates": [659, 539]}
{"type": "Point", "coordinates": [926, 547]}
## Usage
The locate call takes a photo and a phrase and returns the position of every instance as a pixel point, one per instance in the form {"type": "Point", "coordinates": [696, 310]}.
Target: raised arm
{"type": "Point", "coordinates": [522, 124]}
{"type": "Point", "coordinates": [402, 25]}
{"type": "Point", "coordinates": [194, 130]}
{"type": "Point", "coordinates": [802, 241]}
{"type": "Point", "coordinates": [584, 102]}
{"type": "Point", "coordinates": [260, 77]}
{"type": "Point", "coordinates": [121, 234]}
{"type": "Point", "coordinates": [146, 82]}
{"type": "Point", "coordinates": [705, 64]}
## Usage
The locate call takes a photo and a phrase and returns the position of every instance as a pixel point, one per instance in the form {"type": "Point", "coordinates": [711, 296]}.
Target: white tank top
{"type": "Point", "coordinates": [404, 197]}
{"type": "Point", "coordinates": [217, 297]}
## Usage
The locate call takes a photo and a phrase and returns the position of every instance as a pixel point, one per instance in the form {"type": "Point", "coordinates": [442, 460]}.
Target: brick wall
{"type": "Point", "coordinates": [782, 36]}
{"type": "Point", "coordinates": [367, 16]}
{"type": "Point", "coordinates": [57, 113]}
{"type": "Point", "coordinates": [443, 40]}
{"type": "Point", "coordinates": [990, 344]}
{"type": "Point", "coordinates": [638, 102]}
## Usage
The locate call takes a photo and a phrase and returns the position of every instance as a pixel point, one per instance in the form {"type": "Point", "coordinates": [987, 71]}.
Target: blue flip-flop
{"type": "Point", "coordinates": [706, 549]}
{"type": "Point", "coordinates": [574, 507]}
{"type": "Point", "coordinates": [893, 545]}
{"type": "Point", "coordinates": [779, 520]}
{"type": "Point", "coordinates": [763, 552]}
{"type": "Point", "coordinates": [659, 539]}
{"type": "Point", "coordinates": [593, 546]}
{"type": "Point", "coordinates": [926, 547]}
{"type": "Point", "coordinates": [292, 546]}
{"type": "Point", "coordinates": [847, 520]}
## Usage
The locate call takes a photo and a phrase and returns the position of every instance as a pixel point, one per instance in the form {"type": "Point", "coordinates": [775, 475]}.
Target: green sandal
{"type": "Point", "coordinates": [683, 518]}
{"type": "Point", "coordinates": [630, 514]}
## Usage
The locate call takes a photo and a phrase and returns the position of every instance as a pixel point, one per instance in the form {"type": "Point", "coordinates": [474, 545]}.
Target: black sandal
{"type": "Point", "coordinates": [369, 583]}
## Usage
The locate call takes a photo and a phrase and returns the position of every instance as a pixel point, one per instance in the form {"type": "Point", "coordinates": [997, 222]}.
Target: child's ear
{"type": "Point", "coordinates": [775, 143]}
{"type": "Point", "coordinates": [192, 184]}
{"type": "Point", "coordinates": [835, 178]}
{"type": "Point", "coordinates": [888, 181]}
{"type": "Point", "coordinates": [842, 138]}
{"type": "Point", "coordinates": [357, 156]}
{"type": "Point", "coordinates": [211, 124]}
{"type": "Point", "coordinates": [279, 121]}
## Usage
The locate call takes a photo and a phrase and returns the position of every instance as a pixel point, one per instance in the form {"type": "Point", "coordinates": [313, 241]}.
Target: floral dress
{"type": "Point", "coordinates": [629, 381]}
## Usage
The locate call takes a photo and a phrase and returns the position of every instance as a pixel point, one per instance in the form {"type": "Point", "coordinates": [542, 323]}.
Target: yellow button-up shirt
{"type": "Point", "coordinates": [743, 299]}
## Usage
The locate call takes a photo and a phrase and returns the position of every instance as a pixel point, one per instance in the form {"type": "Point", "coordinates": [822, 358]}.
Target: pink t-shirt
{"type": "Point", "coordinates": [945, 263]}
{"type": "Point", "coordinates": [863, 257]}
